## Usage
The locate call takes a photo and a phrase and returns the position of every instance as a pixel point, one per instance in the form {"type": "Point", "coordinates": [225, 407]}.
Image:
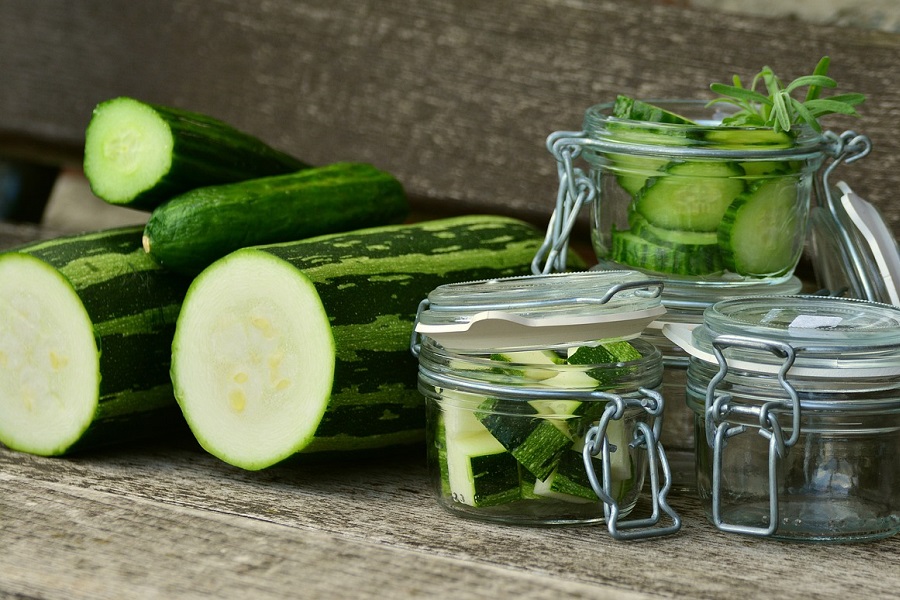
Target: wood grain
{"type": "Point", "coordinates": [455, 98]}
{"type": "Point", "coordinates": [165, 518]}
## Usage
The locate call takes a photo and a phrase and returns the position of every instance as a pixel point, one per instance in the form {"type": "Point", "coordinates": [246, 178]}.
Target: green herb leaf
{"type": "Point", "coordinates": [774, 106]}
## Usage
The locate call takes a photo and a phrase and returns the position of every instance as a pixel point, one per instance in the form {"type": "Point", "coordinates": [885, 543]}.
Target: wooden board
{"type": "Point", "coordinates": [456, 98]}
{"type": "Point", "coordinates": [168, 520]}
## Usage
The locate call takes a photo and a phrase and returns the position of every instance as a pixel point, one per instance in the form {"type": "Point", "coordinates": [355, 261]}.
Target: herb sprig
{"type": "Point", "coordinates": [780, 110]}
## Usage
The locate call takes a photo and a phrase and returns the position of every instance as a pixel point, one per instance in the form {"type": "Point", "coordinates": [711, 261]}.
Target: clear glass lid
{"type": "Point", "coordinates": [540, 310]}
{"type": "Point", "coordinates": [831, 337]}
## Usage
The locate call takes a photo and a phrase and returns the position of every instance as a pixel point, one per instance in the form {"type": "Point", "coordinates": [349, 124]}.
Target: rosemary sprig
{"type": "Point", "coordinates": [780, 110]}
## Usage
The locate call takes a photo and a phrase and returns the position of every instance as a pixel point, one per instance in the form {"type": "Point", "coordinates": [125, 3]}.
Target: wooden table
{"type": "Point", "coordinates": [166, 520]}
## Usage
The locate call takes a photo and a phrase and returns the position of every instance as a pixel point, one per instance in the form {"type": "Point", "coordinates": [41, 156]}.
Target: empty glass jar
{"type": "Point", "coordinates": [797, 416]}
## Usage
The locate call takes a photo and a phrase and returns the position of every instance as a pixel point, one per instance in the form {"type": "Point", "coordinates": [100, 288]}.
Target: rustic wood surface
{"type": "Point", "coordinates": [456, 98]}
{"type": "Point", "coordinates": [167, 520]}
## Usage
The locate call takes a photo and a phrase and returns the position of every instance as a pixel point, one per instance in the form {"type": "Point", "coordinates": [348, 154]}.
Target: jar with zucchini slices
{"type": "Point", "coordinates": [796, 403]}
{"type": "Point", "coordinates": [543, 404]}
{"type": "Point", "coordinates": [676, 194]}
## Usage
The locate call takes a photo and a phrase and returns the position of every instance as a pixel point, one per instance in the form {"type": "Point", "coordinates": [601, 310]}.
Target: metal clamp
{"type": "Point", "coordinates": [718, 409]}
{"type": "Point", "coordinates": [576, 190]}
{"type": "Point", "coordinates": [846, 148]}
{"type": "Point", "coordinates": [597, 442]}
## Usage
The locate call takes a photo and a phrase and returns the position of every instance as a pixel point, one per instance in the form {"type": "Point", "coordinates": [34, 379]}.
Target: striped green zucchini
{"type": "Point", "coordinates": [304, 346]}
{"type": "Point", "coordinates": [86, 324]}
{"type": "Point", "coordinates": [138, 154]}
{"type": "Point", "coordinates": [192, 230]}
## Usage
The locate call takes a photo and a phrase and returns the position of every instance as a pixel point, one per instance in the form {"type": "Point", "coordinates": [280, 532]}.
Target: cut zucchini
{"type": "Point", "coordinates": [626, 107]}
{"type": "Point", "coordinates": [641, 227]}
{"type": "Point", "coordinates": [762, 232]}
{"type": "Point", "coordinates": [528, 363]}
{"type": "Point", "coordinates": [533, 440]}
{"type": "Point", "coordinates": [481, 472]}
{"type": "Point", "coordinates": [138, 154]}
{"type": "Point", "coordinates": [691, 196]}
{"type": "Point", "coordinates": [628, 249]}
{"type": "Point", "coordinates": [569, 482]}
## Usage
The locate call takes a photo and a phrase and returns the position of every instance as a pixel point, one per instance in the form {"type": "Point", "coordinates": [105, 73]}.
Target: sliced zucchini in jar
{"type": "Point", "coordinates": [626, 248]}
{"type": "Point", "coordinates": [481, 472]}
{"type": "Point", "coordinates": [762, 231]}
{"type": "Point", "coordinates": [691, 196]}
{"type": "Point", "coordinates": [534, 440]}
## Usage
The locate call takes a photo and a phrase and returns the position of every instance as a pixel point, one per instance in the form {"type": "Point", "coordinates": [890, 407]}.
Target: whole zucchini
{"type": "Point", "coordinates": [86, 325]}
{"type": "Point", "coordinates": [304, 346]}
{"type": "Point", "coordinates": [138, 154]}
{"type": "Point", "coordinates": [192, 230]}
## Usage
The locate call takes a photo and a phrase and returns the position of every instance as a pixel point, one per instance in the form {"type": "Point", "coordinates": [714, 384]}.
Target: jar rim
{"type": "Point", "coordinates": [705, 138]}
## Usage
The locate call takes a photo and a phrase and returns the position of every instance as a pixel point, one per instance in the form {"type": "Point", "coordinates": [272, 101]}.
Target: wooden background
{"type": "Point", "coordinates": [456, 98]}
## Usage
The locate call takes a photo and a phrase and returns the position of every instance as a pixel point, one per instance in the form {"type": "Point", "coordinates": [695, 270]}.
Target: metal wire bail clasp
{"type": "Point", "coordinates": [718, 409]}
{"type": "Point", "coordinates": [575, 191]}
{"type": "Point", "coordinates": [596, 442]}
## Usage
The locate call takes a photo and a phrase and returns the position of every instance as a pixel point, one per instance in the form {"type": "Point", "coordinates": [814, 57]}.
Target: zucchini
{"type": "Point", "coordinates": [478, 435]}
{"type": "Point", "coordinates": [630, 250]}
{"type": "Point", "coordinates": [190, 231]}
{"type": "Point", "coordinates": [532, 440]}
{"type": "Point", "coordinates": [633, 109]}
{"type": "Point", "coordinates": [304, 346]}
{"type": "Point", "coordinates": [86, 325]}
{"type": "Point", "coordinates": [138, 154]}
{"type": "Point", "coordinates": [691, 196]}
{"type": "Point", "coordinates": [481, 472]}
{"type": "Point", "coordinates": [762, 231]}
{"type": "Point", "coordinates": [634, 171]}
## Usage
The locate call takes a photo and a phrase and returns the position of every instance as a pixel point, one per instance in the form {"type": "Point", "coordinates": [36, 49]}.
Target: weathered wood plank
{"type": "Point", "coordinates": [62, 541]}
{"type": "Point", "coordinates": [455, 98]}
{"type": "Point", "coordinates": [375, 513]}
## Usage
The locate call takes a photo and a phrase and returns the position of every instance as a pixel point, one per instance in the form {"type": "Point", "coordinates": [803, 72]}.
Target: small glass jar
{"type": "Point", "coordinates": [693, 200]}
{"type": "Point", "coordinates": [797, 416]}
{"type": "Point", "coordinates": [542, 405]}
{"type": "Point", "coordinates": [667, 195]}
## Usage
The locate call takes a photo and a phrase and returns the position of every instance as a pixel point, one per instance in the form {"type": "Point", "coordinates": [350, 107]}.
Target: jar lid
{"type": "Point", "coordinates": [831, 337]}
{"type": "Point", "coordinates": [695, 297]}
{"type": "Point", "coordinates": [855, 252]}
{"type": "Point", "coordinates": [536, 311]}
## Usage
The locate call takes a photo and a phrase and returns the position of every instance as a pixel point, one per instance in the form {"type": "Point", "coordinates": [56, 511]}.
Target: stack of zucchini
{"type": "Point", "coordinates": [271, 301]}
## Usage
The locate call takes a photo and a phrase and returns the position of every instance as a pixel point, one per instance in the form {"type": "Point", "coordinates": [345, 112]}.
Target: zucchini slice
{"type": "Point", "coordinates": [691, 196]}
{"type": "Point", "coordinates": [762, 231]}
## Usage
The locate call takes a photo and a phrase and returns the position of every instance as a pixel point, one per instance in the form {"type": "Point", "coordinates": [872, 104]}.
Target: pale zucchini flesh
{"type": "Point", "coordinates": [253, 359]}
{"type": "Point", "coordinates": [49, 363]}
{"type": "Point", "coordinates": [128, 149]}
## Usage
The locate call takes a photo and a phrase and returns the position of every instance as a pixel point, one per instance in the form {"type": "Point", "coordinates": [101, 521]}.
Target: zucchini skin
{"type": "Point", "coordinates": [133, 305]}
{"type": "Point", "coordinates": [206, 151]}
{"type": "Point", "coordinates": [192, 230]}
{"type": "Point", "coordinates": [369, 283]}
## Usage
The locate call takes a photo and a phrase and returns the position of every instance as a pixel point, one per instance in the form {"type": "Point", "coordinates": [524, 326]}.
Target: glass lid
{"type": "Point", "coordinates": [831, 337]}
{"type": "Point", "coordinates": [855, 252]}
{"type": "Point", "coordinates": [540, 310]}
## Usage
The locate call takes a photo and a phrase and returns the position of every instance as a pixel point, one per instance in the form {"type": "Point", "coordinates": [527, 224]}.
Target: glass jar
{"type": "Point", "coordinates": [797, 416]}
{"type": "Point", "coordinates": [676, 199]}
{"type": "Point", "coordinates": [542, 405]}
{"type": "Point", "coordinates": [695, 201]}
